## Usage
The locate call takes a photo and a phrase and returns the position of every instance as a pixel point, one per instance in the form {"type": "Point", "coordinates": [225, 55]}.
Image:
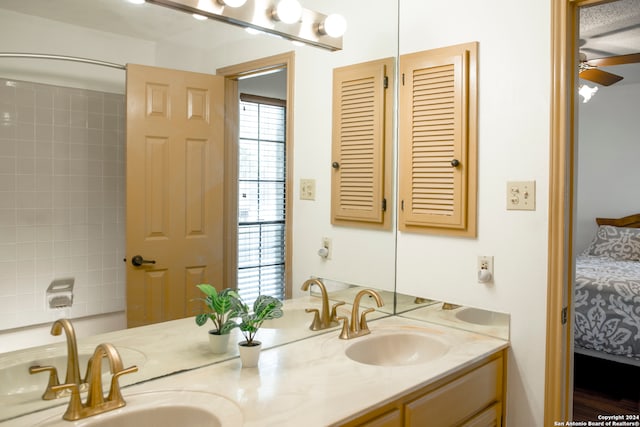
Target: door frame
{"type": "Point", "coordinates": [232, 102]}
{"type": "Point", "coordinates": [558, 396]}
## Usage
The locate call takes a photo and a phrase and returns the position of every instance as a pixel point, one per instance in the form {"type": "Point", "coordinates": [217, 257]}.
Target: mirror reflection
{"type": "Point", "coordinates": [69, 197]}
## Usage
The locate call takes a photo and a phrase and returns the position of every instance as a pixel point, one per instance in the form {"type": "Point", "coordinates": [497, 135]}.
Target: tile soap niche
{"type": "Point", "coordinates": [60, 293]}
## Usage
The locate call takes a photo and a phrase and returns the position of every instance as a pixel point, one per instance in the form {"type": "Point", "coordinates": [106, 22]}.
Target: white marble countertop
{"type": "Point", "coordinates": [158, 350]}
{"type": "Point", "coordinates": [311, 382]}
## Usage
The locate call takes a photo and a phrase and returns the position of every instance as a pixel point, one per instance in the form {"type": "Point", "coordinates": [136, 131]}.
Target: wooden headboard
{"type": "Point", "coordinates": [631, 221]}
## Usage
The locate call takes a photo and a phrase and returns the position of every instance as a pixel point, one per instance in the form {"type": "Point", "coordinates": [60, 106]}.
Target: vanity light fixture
{"type": "Point", "coordinates": [283, 18]}
{"type": "Point", "coordinates": [333, 25]}
{"type": "Point", "coordinates": [199, 17]}
{"type": "Point", "coordinates": [287, 11]}
{"type": "Point", "coordinates": [587, 92]}
{"type": "Point", "coordinates": [232, 3]}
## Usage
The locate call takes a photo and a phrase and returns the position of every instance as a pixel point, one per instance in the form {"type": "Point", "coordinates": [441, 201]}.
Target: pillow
{"type": "Point", "coordinates": [619, 243]}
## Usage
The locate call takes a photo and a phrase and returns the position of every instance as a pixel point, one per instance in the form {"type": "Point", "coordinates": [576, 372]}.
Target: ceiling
{"type": "Point", "coordinates": [606, 30]}
{"type": "Point", "coordinates": [612, 29]}
{"type": "Point", "coordinates": [141, 21]}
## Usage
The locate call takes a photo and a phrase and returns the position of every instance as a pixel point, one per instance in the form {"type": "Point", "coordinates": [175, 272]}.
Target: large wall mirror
{"type": "Point", "coordinates": [63, 206]}
{"type": "Point", "coordinates": [62, 209]}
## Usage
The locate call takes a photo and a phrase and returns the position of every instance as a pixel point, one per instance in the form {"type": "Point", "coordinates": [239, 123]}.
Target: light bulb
{"type": "Point", "coordinates": [288, 11]}
{"type": "Point", "coordinates": [587, 92]}
{"type": "Point", "coordinates": [334, 25]}
{"type": "Point", "coordinates": [232, 3]}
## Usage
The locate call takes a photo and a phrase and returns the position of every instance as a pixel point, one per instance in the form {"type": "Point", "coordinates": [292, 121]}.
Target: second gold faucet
{"type": "Point", "coordinates": [322, 319]}
{"type": "Point", "coordinates": [359, 328]}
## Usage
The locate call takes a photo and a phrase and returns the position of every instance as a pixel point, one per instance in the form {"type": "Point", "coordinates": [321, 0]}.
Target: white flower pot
{"type": "Point", "coordinates": [249, 355]}
{"type": "Point", "coordinates": [218, 343]}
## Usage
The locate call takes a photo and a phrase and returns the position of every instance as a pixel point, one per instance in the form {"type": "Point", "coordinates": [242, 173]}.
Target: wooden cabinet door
{"type": "Point", "coordinates": [437, 141]}
{"type": "Point", "coordinates": [458, 400]}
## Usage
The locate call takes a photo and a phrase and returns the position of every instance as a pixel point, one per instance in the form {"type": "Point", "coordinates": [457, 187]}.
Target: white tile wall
{"type": "Point", "coordinates": [62, 193]}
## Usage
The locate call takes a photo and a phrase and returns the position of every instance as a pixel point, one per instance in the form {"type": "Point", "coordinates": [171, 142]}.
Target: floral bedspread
{"type": "Point", "coordinates": [607, 306]}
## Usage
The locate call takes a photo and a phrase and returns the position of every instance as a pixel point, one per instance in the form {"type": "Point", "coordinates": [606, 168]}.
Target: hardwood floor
{"type": "Point", "coordinates": [602, 387]}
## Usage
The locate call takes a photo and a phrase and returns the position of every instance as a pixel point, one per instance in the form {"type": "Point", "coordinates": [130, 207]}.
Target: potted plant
{"type": "Point", "coordinates": [264, 308]}
{"type": "Point", "coordinates": [221, 308]}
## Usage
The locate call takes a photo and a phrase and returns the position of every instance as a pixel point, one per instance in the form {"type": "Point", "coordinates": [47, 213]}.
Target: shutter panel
{"type": "Point", "coordinates": [435, 106]}
{"type": "Point", "coordinates": [359, 115]}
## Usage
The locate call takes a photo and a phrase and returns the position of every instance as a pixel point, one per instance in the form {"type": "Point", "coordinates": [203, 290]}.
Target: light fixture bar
{"type": "Point", "coordinates": [257, 14]}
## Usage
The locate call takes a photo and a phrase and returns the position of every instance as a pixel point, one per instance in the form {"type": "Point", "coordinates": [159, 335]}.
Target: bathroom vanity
{"type": "Point", "coordinates": [404, 372]}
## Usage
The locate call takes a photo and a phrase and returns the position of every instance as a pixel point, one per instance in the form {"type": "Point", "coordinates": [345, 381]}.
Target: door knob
{"type": "Point", "coordinates": [138, 261]}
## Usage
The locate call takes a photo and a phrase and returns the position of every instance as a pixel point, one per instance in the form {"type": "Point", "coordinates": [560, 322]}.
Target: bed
{"type": "Point", "coordinates": [607, 292]}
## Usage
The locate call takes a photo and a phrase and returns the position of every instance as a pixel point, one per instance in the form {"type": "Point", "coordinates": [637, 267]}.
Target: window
{"type": "Point", "coordinates": [261, 198]}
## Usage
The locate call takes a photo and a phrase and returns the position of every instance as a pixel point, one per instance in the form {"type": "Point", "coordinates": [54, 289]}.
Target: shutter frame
{"type": "Point", "coordinates": [362, 125]}
{"type": "Point", "coordinates": [438, 116]}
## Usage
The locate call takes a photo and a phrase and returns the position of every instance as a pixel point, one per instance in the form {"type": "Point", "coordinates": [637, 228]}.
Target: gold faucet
{"type": "Point", "coordinates": [73, 366]}
{"type": "Point", "coordinates": [449, 306]}
{"type": "Point", "coordinates": [96, 403]}
{"type": "Point", "coordinates": [358, 329]}
{"type": "Point", "coordinates": [324, 319]}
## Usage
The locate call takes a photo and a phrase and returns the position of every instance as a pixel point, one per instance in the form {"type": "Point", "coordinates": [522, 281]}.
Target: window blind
{"type": "Point", "coordinates": [261, 199]}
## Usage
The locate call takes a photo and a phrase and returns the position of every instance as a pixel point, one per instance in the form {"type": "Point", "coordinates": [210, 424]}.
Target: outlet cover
{"type": "Point", "coordinates": [307, 189]}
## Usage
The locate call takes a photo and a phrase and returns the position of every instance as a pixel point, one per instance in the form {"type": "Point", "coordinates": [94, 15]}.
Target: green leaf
{"type": "Point", "coordinates": [201, 319]}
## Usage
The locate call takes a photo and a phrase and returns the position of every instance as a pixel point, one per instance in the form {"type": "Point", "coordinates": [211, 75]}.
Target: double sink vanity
{"type": "Point", "coordinates": [408, 370]}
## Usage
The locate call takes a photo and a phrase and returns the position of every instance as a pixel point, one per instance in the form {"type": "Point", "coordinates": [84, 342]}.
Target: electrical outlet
{"type": "Point", "coordinates": [326, 243]}
{"type": "Point", "coordinates": [307, 189]}
{"type": "Point", "coordinates": [521, 195]}
{"type": "Point", "coordinates": [485, 263]}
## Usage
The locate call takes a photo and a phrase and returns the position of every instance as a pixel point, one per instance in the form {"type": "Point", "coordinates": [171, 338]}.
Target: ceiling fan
{"type": "Point", "coordinates": [588, 69]}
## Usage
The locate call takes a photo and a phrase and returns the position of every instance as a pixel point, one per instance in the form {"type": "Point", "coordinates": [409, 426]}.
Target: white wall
{"type": "Point", "coordinates": [513, 145]}
{"type": "Point", "coordinates": [608, 155]}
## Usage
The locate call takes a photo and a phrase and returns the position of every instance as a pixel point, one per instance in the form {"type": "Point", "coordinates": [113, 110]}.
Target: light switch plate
{"type": "Point", "coordinates": [307, 189]}
{"type": "Point", "coordinates": [521, 195]}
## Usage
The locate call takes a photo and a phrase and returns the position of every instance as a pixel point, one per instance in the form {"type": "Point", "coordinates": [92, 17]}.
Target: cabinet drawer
{"type": "Point", "coordinates": [491, 417]}
{"type": "Point", "coordinates": [392, 418]}
{"type": "Point", "coordinates": [458, 400]}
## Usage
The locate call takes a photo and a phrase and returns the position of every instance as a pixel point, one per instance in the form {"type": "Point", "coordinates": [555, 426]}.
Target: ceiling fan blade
{"type": "Point", "coordinates": [598, 76]}
{"type": "Point", "coordinates": [631, 58]}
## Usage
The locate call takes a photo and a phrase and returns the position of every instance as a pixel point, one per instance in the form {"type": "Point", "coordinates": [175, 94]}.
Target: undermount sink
{"type": "Point", "coordinates": [398, 349]}
{"type": "Point", "coordinates": [17, 385]}
{"type": "Point", "coordinates": [482, 317]}
{"type": "Point", "coordinates": [163, 409]}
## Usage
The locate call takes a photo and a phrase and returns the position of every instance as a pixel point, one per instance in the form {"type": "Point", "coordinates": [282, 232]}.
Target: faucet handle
{"type": "Point", "coordinates": [363, 320]}
{"type": "Point", "coordinates": [74, 409]}
{"type": "Point", "coordinates": [334, 312]}
{"type": "Point", "coordinates": [49, 393]}
{"type": "Point", "coordinates": [114, 391]}
{"type": "Point", "coordinates": [344, 334]}
{"type": "Point", "coordinates": [316, 324]}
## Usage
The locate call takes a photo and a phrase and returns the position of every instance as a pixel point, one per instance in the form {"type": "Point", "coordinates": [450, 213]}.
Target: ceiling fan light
{"type": "Point", "coordinates": [288, 11]}
{"type": "Point", "coordinates": [587, 92]}
{"type": "Point", "coordinates": [333, 25]}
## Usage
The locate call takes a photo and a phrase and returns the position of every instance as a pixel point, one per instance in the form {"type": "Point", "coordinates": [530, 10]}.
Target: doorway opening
{"type": "Point", "coordinates": [258, 171]}
{"type": "Point", "coordinates": [604, 378]}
